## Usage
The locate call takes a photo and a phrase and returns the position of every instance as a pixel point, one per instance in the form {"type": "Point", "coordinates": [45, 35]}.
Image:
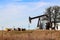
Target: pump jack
{"type": "Point", "coordinates": [39, 21]}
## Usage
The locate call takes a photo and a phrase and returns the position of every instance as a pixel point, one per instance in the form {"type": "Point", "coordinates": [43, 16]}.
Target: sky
{"type": "Point", "coordinates": [15, 13]}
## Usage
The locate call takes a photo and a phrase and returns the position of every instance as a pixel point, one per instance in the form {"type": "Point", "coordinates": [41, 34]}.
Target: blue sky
{"type": "Point", "coordinates": [16, 12]}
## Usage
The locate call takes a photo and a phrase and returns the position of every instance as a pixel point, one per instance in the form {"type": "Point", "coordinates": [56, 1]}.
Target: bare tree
{"type": "Point", "coordinates": [53, 14]}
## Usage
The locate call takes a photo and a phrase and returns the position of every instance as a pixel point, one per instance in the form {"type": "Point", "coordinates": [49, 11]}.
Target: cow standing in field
{"type": "Point", "coordinates": [15, 29]}
{"type": "Point", "coordinates": [23, 29]}
{"type": "Point", "coordinates": [8, 29]}
{"type": "Point", "coordinates": [19, 29]}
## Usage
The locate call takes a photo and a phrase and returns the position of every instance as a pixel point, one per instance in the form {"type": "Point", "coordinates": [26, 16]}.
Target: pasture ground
{"type": "Point", "coordinates": [30, 35]}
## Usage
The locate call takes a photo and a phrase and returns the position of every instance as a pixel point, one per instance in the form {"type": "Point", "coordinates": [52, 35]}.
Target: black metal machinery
{"type": "Point", "coordinates": [39, 22]}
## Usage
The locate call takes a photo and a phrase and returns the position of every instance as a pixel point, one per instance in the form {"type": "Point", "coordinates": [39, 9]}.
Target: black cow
{"type": "Point", "coordinates": [23, 29]}
{"type": "Point", "coordinates": [19, 29]}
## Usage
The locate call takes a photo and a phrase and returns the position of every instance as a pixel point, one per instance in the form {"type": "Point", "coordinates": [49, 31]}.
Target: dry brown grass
{"type": "Point", "coordinates": [30, 35]}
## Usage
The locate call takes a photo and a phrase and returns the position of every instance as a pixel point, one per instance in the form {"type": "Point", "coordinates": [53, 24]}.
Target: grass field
{"type": "Point", "coordinates": [30, 35]}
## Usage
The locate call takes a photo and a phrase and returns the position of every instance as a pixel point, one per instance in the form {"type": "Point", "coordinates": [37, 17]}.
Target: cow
{"type": "Point", "coordinates": [19, 29]}
{"type": "Point", "coordinates": [23, 29]}
{"type": "Point", "coordinates": [8, 29]}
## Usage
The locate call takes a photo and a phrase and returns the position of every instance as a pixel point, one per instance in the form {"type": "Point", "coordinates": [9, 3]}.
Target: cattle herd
{"type": "Point", "coordinates": [15, 29]}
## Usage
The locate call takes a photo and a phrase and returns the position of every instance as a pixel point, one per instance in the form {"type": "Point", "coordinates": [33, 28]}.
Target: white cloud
{"type": "Point", "coordinates": [14, 9]}
{"type": "Point", "coordinates": [37, 5]}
